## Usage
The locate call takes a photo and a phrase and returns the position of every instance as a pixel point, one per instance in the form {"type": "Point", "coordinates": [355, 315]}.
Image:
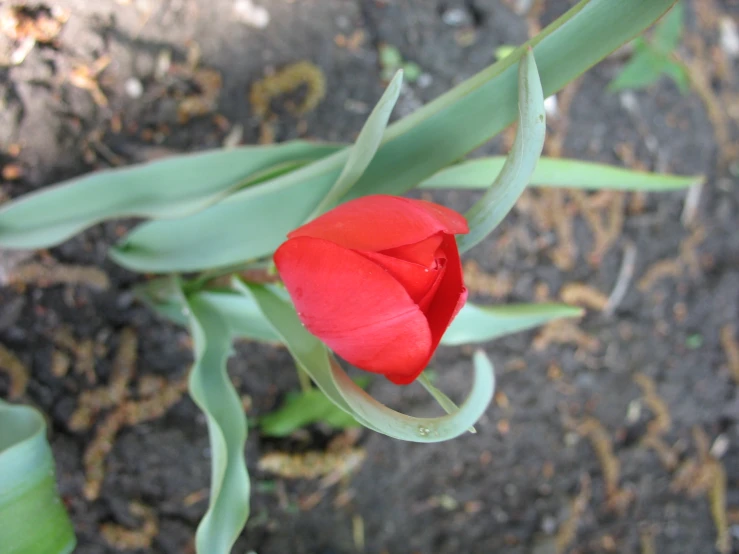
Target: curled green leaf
{"type": "Point", "coordinates": [216, 396]}
{"type": "Point", "coordinates": [311, 354]}
{"type": "Point", "coordinates": [510, 183]}
{"type": "Point", "coordinates": [32, 517]}
{"type": "Point", "coordinates": [364, 148]}
{"type": "Point", "coordinates": [421, 429]}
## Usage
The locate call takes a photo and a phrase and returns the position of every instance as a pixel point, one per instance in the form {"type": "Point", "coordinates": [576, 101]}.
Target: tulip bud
{"type": "Point", "coordinates": [378, 279]}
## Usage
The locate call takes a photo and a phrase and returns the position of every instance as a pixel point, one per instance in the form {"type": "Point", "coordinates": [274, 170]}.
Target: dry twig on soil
{"type": "Point", "coordinates": [86, 78]}
{"type": "Point", "coordinates": [43, 275]}
{"type": "Point", "coordinates": [287, 80]}
{"type": "Point", "coordinates": [565, 332]}
{"type": "Point", "coordinates": [731, 349]}
{"type": "Point", "coordinates": [16, 371]}
{"type": "Point", "coordinates": [477, 281]}
{"type": "Point", "coordinates": [664, 451]}
{"type": "Point", "coordinates": [313, 464]}
{"type": "Point", "coordinates": [581, 294]}
{"type": "Point", "coordinates": [662, 420]}
{"type": "Point", "coordinates": [121, 538]}
{"type": "Point", "coordinates": [568, 531]}
{"type": "Point", "coordinates": [704, 474]}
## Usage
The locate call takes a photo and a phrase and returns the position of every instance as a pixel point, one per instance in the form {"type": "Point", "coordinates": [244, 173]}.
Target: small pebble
{"type": "Point", "coordinates": [455, 17]}
{"type": "Point", "coordinates": [629, 102]}
{"type": "Point", "coordinates": [249, 14]}
{"type": "Point", "coordinates": [548, 525]}
{"type": "Point", "coordinates": [729, 37]}
{"type": "Point", "coordinates": [720, 446]}
{"type": "Point", "coordinates": [134, 88]}
{"type": "Point", "coordinates": [424, 80]}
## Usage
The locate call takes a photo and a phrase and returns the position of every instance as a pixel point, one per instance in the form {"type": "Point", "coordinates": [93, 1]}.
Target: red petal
{"type": "Point", "coordinates": [381, 222]}
{"type": "Point", "coordinates": [416, 279]}
{"type": "Point", "coordinates": [425, 302]}
{"type": "Point", "coordinates": [420, 252]}
{"type": "Point", "coordinates": [356, 307]}
{"type": "Point", "coordinates": [454, 223]}
{"type": "Point", "coordinates": [448, 300]}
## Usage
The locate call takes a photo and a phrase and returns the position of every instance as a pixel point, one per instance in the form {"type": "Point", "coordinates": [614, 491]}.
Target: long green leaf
{"type": "Point", "coordinates": [483, 323]}
{"type": "Point", "coordinates": [216, 396]}
{"type": "Point", "coordinates": [250, 224]}
{"type": "Point", "coordinates": [32, 517]}
{"type": "Point", "coordinates": [168, 188]}
{"type": "Point", "coordinates": [311, 354]}
{"type": "Point", "coordinates": [560, 173]}
{"type": "Point", "coordinates": [254, 221]}
{"type": "Point", "coordinates": [363, 150]}
{"type": "Point", "coordinates": [498, 200]}
{"type": "Point", "coordinates": [465, 117]}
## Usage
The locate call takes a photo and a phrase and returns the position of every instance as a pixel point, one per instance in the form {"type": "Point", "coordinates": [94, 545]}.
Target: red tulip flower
{"type": "Point", "coordinates": [378, 280]}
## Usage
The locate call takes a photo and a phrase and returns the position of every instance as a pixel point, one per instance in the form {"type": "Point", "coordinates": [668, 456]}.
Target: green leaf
{"type": "Point", "coordinates": [32, 517]}
{"type": "Point", "coordinates": [412, 71]}
{"type": "Point", "coordinates": [499, 199]}
{"type": "Point", "coordinates": [483, 323]}
{"type": "Point", "coordinates": [311, 354]}
{"type": "Point", "coordinates": [241, 314]}
{"type": "Point", "coordinates": [421, 429]}
{"type": "Point", "coordinates": [164, 296]}
{"type": "Point", "coordinates": [216, 396]}
{"type": "Point", "coordinates": [642, 70]}
{"type": "Point", "coordinates": [249, 224]}
{"type": "Point", "coordinates": [503, 51]}
{"type": "Point", "coordinates": [561, 172]}
{"type": "Point", "coordinates": [669, 29]}
{"type": "Point", "coordinates": [169, 188]}
{"type": "Point", "coordinates": [302, 409]}
{"type": "Point", "coordinates": [679, 74]}
{"type": "Point", "coordinates": [444, 401]}
{"type": "Point", "coordinates": [463, 118]}
{"type": "Point", "coordinates": [254, 221]}
{"type": "Point", "coordinates": [390, 57]}
{"type": "Point", "coordinates": [363, 150]}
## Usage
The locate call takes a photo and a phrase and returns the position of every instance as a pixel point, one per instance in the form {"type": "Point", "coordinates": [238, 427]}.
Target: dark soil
{"type": "Point", "coordinates": [521, 482]}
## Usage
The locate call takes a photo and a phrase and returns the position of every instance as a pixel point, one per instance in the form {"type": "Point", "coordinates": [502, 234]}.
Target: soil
{"type": "Point", "coordinates": [562, 460]}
